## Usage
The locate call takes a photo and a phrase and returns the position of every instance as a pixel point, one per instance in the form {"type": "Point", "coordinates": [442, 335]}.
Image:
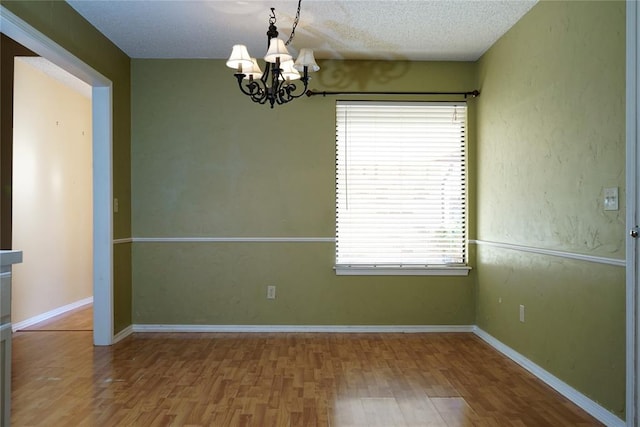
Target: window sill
{"type": "Point", "coordinates": [351, 270]}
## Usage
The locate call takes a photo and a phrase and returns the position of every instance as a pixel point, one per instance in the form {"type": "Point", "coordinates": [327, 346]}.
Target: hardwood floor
{"type": "Point", "coordinates": [80, 319]}
{"type": "Point", "coordinates": [320, 379]}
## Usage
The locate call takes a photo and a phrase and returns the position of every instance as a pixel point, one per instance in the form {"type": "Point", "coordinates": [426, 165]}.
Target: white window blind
{"type": "Point", "coordinates": [400, 184]}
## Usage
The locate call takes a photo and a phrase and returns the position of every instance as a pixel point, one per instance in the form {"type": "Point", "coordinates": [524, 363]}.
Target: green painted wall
{"type": "Point", "coordinates": [207, 162]}
{"type": "Point", "coordinates": [550, 132]}
{"type": "Point", "coordinates": [58, 21]}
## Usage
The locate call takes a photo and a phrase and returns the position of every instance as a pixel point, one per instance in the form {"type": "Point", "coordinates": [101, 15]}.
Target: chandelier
{"type": "Point", "coordinates": [277, 84]}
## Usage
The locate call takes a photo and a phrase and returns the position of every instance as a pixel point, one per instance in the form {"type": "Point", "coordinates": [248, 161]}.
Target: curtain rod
{"type": "Point", "coordinates": [471, 94]}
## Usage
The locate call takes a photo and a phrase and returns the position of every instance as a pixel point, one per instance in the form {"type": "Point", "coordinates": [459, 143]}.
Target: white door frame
{"type": "Point", "coordinates": [101, 100]}
{"type": "Point", "coordinates": [632, 198]}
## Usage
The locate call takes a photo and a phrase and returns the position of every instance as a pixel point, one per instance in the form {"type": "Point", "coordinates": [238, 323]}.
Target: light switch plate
{"type": "Point", "coordinates": [611, 199]}
{"type": "Point", "coordinates": [271, 292]}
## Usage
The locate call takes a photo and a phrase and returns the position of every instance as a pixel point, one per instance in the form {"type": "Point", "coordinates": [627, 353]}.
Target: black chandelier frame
{"type": "Point", "coordinates": [271, 86]}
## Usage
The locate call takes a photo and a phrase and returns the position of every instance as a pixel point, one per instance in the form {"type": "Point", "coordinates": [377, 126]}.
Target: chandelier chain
{"type": "Point", "coordinates": [295, 24]}
{"type": "Point", "coordinates": [272, 17]}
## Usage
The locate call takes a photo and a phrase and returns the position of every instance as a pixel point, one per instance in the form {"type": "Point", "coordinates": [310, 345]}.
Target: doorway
{"type": "Point", "coordinates": [101, 107]}
{"type": "Point", "coordinates": [52, 217]}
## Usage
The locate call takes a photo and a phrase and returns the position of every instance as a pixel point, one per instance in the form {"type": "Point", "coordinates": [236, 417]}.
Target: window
{"type": "Point", "coordinates": [401, 188]}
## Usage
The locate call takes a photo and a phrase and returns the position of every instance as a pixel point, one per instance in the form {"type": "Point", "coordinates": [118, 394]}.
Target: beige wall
{"type": "Point", "coordinates": [550, 139]}
{"type": "Point", "coordinates": [52, 193]}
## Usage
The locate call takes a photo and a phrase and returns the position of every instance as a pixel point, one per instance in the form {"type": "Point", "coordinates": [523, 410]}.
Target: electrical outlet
{"type": "Point", "coordinates": [522, 313]}
{"type": "Point", "coordinates": [271, 292]}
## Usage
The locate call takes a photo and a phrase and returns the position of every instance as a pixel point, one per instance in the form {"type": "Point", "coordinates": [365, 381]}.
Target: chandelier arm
{"type": "Point", "coordinates": [304, 79]}
{"type": "Point", "coordinates": [255, 91]}
{"type": "Point", "coordinates": [251, 89]}
{"type": "Point", "coordinates": [291, 88]}
{"type": "Point", "coordinates": [264, 78]}
{"type": "Point", "coordinates": [288, 92]}
{"type": "Point", "coordinates": [282, 95]}
{"type": "Point", "coordinates": [240, 78]}
{"type": "Point", "coordinates": [261, 100]}
{"type": "Point", "coordinates": [258, 92]}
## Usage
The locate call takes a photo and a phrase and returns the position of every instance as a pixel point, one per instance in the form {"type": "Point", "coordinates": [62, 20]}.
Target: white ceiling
{"type": "Point", "coordinates": [459, 30]}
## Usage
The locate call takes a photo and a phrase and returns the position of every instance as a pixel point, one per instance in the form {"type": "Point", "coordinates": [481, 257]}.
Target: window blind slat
{"type": "Point", "coordinates": [400, 183]}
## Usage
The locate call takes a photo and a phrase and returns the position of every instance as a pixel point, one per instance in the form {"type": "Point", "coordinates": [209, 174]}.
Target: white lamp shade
{"type": "Point", "coordinates": [277, 49]}
{"type": "Point", "coordinates": [252, 71]}
{"type": "Point", "coordinates": [288, 72]}
{"type": "Point", "coordinates": [306, 59]}
{"type": "Point", "coordinates": [239, 59]}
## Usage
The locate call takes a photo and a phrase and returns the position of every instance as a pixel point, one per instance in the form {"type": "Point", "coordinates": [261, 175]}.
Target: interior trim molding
{"type": "Point", "coordinates": [588, 405]}
{"type": "Point", "coordinates": [305, 328]}
{"type": "Point", "coordinates": [232, 239]}
{"type": "Point", "coordinates": [122, 241]}
{"type": "Point", "coordinates": [632, 191]}
{"type": "Point", "coordinates": [52, 313]}
{"type": "Point", "coordinates": [522, 248]}
{"type": "Point", "coordinates": [123, 334]}
{"type": "Point", "coordinates": [562, 254]}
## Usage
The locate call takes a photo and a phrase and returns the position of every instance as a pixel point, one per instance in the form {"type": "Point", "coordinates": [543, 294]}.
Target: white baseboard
{"type": "Point", "coordinates": [304, 328]}
{"type": "Point", "coordinates": [123, 334]}
{"type": "Point", "coordinates": [588, 405]}
{"type": "Point", "coordinates": [52, 313]}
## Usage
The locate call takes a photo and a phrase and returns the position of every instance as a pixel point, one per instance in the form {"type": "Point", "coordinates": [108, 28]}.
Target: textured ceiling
{"type": "Point", "coordinates": [459, 30]}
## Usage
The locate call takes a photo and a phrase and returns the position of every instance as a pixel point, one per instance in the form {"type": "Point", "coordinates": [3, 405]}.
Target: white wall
{"type": "Point", "coordinates": [52, 189]}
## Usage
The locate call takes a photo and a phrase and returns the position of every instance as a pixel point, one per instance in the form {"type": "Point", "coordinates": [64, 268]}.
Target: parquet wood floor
{"type": "Point", "coordinates": [320, 379]}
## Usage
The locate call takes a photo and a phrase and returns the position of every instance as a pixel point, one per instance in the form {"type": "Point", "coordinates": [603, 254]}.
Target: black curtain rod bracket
{"type": "Point", "coordinates": [472, 94]}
